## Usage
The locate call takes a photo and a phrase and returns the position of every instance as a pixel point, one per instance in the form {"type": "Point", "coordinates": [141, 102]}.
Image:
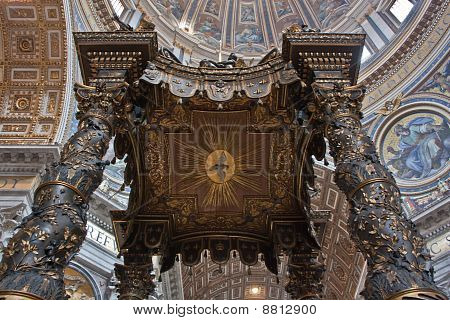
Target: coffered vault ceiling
{"type": "Point", "coordinates": [33, 62]}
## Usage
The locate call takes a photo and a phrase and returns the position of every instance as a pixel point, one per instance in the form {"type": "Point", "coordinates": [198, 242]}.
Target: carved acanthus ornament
{"type": "Point", "coordinates": [397, 258]}
{"type": "Point", "coordinates": [306, 270]}
{"type": "Point", "coordinates": [135, 277]}
{"type": "Point", "coordinates": [52, 234]}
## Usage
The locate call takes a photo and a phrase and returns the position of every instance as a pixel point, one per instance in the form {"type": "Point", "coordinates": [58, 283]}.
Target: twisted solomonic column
{"type": "Point", "coordinates": [398, 262]}
{"type": "Point", "coordinates": [33, 262]}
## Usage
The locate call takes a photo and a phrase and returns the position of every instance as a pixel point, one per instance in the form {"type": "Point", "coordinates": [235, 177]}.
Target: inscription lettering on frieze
{"type": "Point", "coordinates": [439, 245]}
{"type": "Point", "coordinates": [102, 237]}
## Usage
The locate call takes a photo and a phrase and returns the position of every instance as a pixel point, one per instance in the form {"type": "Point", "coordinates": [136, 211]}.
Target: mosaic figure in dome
{"type": "Point", "coordinates": [423, 148]}
{"type": "Point", "coordinates": [209, 28]}
{"type": "Point", "coordinates": [248, 13]}
{"type": "Point", "coordinates": [282, 8]}
{"type": "Point", "coordinates": [176, 7]}
{"type": "Point", "coordinates": [326, 8]}
{"type": "Point", "coordinates": [212, 6]}
{"type": "Point", "coordinates": [249, 35]}
{"type": "Point", "coordinates": [440, 82]}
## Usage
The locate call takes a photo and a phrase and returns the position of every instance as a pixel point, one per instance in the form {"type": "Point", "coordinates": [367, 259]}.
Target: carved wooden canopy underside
{"type": "Point", "coordinates": [221, 162]}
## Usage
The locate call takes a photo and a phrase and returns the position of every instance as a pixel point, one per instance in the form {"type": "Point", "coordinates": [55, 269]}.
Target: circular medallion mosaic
{"type": "Point", "coordinates": [415, 146]}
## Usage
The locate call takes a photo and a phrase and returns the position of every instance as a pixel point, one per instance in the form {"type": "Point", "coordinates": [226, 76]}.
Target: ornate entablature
{"type": "Point", "coordinates": [126, 57]}
{"type": "Point", "coordinates": [324, 57]}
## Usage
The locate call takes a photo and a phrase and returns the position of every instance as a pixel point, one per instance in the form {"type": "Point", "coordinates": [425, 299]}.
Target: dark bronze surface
{"type": "Point", "coordinates": [221, 155]}
{"type": "Point", "coordinates": [395, 252]}
{"type": "Point", "coordinates": [52, 234]}
{"type": "Point", "coordinates": [114, 56]}
{"type": "Point", "coordinates": [135, 276]}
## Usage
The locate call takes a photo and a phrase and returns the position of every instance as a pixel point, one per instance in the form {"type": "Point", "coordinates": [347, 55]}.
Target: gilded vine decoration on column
{"type": "Point", "coordinates": [396, 255]}
{"type": "Point", "coordinates": [52, 234]}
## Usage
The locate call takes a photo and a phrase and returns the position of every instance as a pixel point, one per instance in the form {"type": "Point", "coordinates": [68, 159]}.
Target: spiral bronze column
{"type": "Point", "coordinates": [47, 239]}
{"type": "Point", "coordinates": [398, 262]}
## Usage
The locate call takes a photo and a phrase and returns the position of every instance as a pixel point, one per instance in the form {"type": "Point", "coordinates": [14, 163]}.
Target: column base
{"type": "Point", "coordinates": [418, 294]}
{"type": "Point", "coordinates": [17, 295]}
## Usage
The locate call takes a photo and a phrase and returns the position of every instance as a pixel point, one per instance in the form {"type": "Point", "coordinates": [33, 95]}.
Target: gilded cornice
{"type": "Point", "coordinates": [102, 15]}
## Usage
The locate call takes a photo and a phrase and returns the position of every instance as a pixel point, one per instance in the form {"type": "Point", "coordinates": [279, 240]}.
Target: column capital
{"type": "Point", "coordinates": [306, 271]}
{"type": "Point", "coordinates": [335, 100]}
{"type": "Point", "coordinates": [102, 102]}
{"type": "Point", "coordinates": [135, 281]}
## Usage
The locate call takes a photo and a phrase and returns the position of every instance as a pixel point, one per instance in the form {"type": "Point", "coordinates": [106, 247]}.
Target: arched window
{"type": "Point", "coordinates": [117, 6]}
{"type": "Point", "coordinates": [401, 9]}
{"type": "Point", "coordinates": [365, 54]}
